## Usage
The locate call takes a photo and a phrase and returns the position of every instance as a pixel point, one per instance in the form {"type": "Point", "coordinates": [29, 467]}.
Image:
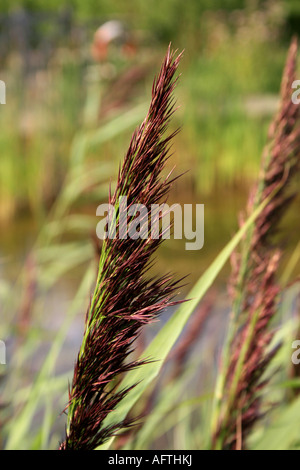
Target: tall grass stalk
{"type": "Point", "coordinates": [254, 286]}
{"type": "Point", "coordinates": [123, 300]}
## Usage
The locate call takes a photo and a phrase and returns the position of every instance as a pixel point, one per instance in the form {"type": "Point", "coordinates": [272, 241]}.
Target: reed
{"type": "Point", "coordinates": [254, 286]}
{"type": "Point", "coordinates": [123, 300]}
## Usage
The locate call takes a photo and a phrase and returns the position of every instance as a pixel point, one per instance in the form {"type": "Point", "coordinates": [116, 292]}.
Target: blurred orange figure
{"type": "Point", "coordinates": [111, 31]}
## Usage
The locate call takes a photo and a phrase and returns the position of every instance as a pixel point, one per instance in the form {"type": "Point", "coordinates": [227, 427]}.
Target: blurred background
{"type": "Point", "coordinates": [78, 81]}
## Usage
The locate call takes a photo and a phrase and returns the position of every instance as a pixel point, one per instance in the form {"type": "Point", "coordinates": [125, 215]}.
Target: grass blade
{"type": "Point", "coordinates": [163, 342]}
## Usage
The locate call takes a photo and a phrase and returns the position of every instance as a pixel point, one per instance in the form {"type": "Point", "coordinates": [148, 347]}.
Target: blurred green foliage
{"type": "Point", "coordinates": [171, 20]}
{"type": "Point", "coordinates": [234, 54]}
{"type": "Point", "coordinates": [56, 154]}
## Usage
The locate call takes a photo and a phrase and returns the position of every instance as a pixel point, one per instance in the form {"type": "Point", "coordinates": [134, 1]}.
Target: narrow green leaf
{"type": "Point", "coordinates": [161, 345]}
{"type": "Point", "coordinates": [283, 433]}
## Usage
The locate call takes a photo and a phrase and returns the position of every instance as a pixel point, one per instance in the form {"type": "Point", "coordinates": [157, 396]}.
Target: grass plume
{"type": "Point", "coordinates": [254, 286]}
{"type": "Point", "coordinates": [123, 300]}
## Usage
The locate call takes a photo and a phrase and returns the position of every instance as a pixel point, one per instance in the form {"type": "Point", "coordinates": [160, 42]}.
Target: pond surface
{"type": "Point", "coordinates": [220, 223]}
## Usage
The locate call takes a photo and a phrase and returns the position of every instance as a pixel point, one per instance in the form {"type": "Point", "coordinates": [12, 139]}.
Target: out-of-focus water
{"type": "Point", "coordinates": [220, 223]}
